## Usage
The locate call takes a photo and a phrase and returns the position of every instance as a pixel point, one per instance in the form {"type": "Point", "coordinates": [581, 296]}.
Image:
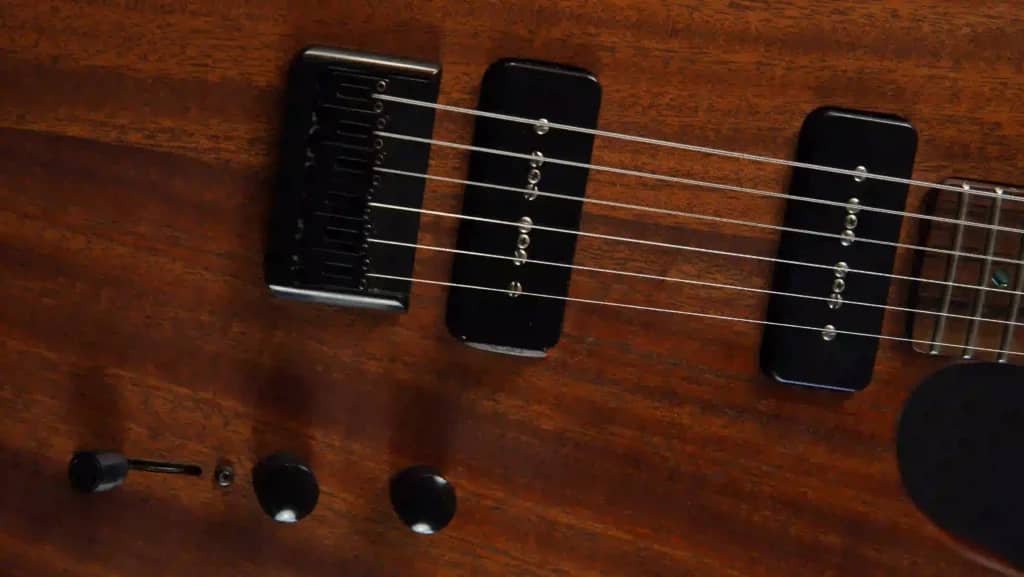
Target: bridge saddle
{"type": "Point", "coordinates": [322, 218]}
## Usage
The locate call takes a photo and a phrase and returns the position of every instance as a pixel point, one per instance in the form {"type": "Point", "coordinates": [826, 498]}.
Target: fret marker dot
{"type": "Point", "coordinates": [1000, 278]}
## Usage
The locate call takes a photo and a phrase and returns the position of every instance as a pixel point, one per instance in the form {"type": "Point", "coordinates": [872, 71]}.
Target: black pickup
{"type": "Point", "coordinates": [507, 318]}
{"type": "Point", "coordinates": [828, 356]}
{"type": "Point", "coordinates": [321, 221]}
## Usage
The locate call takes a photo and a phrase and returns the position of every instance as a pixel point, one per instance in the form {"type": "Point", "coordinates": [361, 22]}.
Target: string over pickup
{"type": "Point", "coordinates": [318, 245]}
{"type": "Point", "coordinates": [509, 232]}
{"type": "Point", "coordinates": [852, 268]}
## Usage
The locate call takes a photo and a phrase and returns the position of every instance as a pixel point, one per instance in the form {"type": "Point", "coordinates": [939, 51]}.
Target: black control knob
{"type": "Point", "coordinates": [423, 499]}
{"type": "Point", "coordinates": [285, 487]}
{"type": "Point", "coordinates": [95, 472]}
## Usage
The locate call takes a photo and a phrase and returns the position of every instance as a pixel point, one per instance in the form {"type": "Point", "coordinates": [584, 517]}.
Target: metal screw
{"type": "Point", "coordinates": [514, 288]}
{"type": "Point", "coordinates": [853, 205]}
{"type": "Point", "coordinates": [523, 241]}
{"type": "Point", "coordinates": [851, 221]}
{"type": "Point", "coordinates": [378, 143]}
{"type": "Point", "coordinates": [538, 159]}
{"type": "Point", "coordinates": [841, 269]}
{"type": "Point", "coordinates": [532, 194]}
{"type": "Point", "coordinates": [863, 174]}
{"type": "Point", "coordinates": [224, 474]}
{"type": "Point", "coordinates": [519, 257]}
{"type": "Point", "coordinates": [525, 224]}
{"type": "Point", "coordinates": [542, 126]}
{"type": "Point", "coordinates": [847, 237]}
{"type": "Point", "coordinates": [828, 333]}
{"type": "Point", "coordinates": [533, 177]}
{"type": "Point", "coordinates": [378, 106]}
{"type": "Point", "coordinates": [835, 301]}
{"type": "Point", "coordinates": [382, 85]}
{"type": "Point", "coordinates": [382, 122]}
{"type": "Point", "coordinates": [838, 285]}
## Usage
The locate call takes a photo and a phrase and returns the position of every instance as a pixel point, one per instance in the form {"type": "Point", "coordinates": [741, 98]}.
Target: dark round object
{"type": "Point", "coordinates": [423, 499]}
{"type": "Point", "coordinates": [92, 472]}
{"type": "Point", "coordinates": [285, 487]}
{"type": "Point", "coordinates": [959, 449]}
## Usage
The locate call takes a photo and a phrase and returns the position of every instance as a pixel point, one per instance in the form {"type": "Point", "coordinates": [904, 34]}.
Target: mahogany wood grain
{"type": "Point", "coordinates": [136, 158]}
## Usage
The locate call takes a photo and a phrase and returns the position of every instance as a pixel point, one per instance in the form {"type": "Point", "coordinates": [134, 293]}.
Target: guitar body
{"type": "Point", "coordinates": [957, 446]}
{"type": "Point", "coordinates": [138, 155]}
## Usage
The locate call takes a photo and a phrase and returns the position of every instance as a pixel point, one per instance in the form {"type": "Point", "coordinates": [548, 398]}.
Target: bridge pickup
{"type": "Point", "coordinates": [506, 319]}
{"type": "Point", "coordinates": [826, 355]}
{"type": "Point", "coordinates": [318, 245]}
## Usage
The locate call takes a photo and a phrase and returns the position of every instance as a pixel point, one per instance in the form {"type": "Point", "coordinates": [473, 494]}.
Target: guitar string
{"type": "Point", "coordinates": [685, 281]}
{"type": "Point", "coordinates": [684, 146]}
{"type": "Point", "coordinates": [699, 183]}
{"type": "Point", "coordinates": [858, 174]}
{"type": "Point", "coordinates": [692, 215]}
{"type": "Point", "coordinates": [682, 247]}
{"type": "Point", "coordinates": [687, 313]}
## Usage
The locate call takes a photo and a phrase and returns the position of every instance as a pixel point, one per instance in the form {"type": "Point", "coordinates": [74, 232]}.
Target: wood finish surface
{"type": "Point", "coordinates": [137, 153]}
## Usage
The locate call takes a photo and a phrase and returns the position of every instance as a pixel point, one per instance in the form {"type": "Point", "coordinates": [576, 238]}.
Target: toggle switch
{"type": "Point", "coordinates": [96, 472]}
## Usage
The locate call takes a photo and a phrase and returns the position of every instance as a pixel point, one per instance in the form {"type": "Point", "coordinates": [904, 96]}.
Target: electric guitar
{"type": "Point", "coordinates": [721, 289]}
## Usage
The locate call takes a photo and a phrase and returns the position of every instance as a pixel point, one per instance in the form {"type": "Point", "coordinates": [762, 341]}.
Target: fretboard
{"type": "Point", "coordinates": [977, 300]}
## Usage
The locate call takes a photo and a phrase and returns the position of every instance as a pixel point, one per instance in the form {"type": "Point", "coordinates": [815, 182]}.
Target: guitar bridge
{"type": "Point", "coordinates": [969, 302]}
{"type": "Point", "coordinates": [321, 222]}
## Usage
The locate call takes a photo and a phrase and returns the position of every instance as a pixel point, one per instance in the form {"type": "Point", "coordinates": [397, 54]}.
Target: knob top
{"type": "Point", "coordinates": [95, 472]}
{"type": "Point", "coordinates": [285, 487]}
{"type": "Point", "coordinates": [423, 499]}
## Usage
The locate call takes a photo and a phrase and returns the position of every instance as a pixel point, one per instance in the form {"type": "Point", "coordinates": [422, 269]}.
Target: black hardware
{"type": "Point", "coordinates": [96, 472]}
{"type": "Point", "coordinates": [958, 450]}
{"type": "Point", "coordinates": [423, 499]}
{"type": "Point", "coordinates": [318, 247]}
{"type": "Point", "coordinates": [285, 487]}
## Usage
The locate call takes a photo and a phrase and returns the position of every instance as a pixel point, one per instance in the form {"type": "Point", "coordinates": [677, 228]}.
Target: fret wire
{"type": "Point", "coordinates": [986, 275]}
{"type": "Point", "coordinates": [1014, 312]}
{"type": "Point", "coordinates": [953, 262]}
